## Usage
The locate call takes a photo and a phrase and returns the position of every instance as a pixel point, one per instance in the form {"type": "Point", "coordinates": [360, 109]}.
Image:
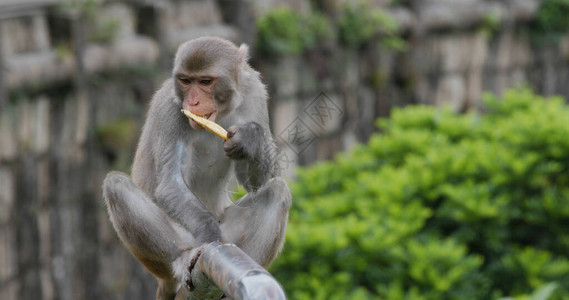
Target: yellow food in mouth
{"type": "Point", "coordinates": [207, 124]}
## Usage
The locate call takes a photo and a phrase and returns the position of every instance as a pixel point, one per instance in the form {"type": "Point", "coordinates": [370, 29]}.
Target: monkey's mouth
{"type": "Point", "coordinates": [210, 116]}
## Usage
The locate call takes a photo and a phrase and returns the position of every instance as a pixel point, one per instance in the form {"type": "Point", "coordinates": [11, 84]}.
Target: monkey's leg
{"type": "Point", "coordinates": [145, 230]}
{"type": "Point", "coordinates": [257, 222]}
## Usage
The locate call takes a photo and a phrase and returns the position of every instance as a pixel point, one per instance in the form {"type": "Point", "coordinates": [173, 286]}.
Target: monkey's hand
{"type": "Point", "coordinates": [254, 149]}
{"type": "Point", "coordinates": [244, 141]}
{"type": "Point", "coordinates": [191, 258]}
{"type": "Point", "coordinates": [197, 283]}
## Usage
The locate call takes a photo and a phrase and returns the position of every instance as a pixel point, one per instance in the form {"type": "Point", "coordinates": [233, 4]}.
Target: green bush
{"type": "Point", "coordinates": [438, 206]}
{"type": "Point", "coordinates": [360, 22]}
{"type": "Point", "coordinates": [552, 15]}
{"type": "Point", "coordinates": [284, 31]}
{"type": "Point", "coordinates": [400, 3]}
{"type": "Point", "coordinates": [552, 21]}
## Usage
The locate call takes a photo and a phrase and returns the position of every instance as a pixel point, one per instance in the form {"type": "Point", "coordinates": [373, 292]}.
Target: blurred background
{"type": "Point", "coordinates": [453, 177]}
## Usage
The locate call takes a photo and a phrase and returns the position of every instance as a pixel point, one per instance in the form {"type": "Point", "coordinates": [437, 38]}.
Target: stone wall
{"type": "Point", "coordinates": [73, 98]}
{"type": "Point", "coordinates": [71, 110]}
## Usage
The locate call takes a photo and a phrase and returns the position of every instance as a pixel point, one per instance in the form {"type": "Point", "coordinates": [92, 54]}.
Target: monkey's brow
{"type": "Point", "coordinates": [194, 75]}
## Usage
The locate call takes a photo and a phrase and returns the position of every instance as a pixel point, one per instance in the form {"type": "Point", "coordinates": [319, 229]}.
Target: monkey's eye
{"type": "Point", "coordinates": [206, 81]}
{"type": "Point", "coordinates": [185, 80]}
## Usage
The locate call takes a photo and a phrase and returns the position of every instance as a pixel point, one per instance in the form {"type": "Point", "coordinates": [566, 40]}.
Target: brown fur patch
{"type": "Point", "coordinates": [198, 60]}
{"type": "Point", "coordinates": [159, 269]}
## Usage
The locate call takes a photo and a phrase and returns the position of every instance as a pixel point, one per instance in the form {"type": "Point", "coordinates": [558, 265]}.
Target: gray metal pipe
{"type": "Point", "coordinates": [235, 274]}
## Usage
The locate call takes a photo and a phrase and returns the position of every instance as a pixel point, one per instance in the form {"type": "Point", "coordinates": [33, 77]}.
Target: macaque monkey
{"type": "Point", "coordinates": [179, 197]}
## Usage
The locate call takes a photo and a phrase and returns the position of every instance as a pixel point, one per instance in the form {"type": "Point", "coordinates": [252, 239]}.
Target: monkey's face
{"type": "Point", "coordinates": [205, 73]}
{"type": "Point", "coordinates": [197, 93]}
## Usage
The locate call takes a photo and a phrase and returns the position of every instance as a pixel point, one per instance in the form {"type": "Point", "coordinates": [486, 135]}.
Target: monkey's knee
{"type": "Point", "coordinates": [274, 192]}
{"type": "Point", "coordinates": [122, 195]}
{"type": "Point", "coordinates": [130, 206]}
{"type": "Point", "coordinates": [277, 191]}
{"type": "Point", "coordinates": [113, 186]}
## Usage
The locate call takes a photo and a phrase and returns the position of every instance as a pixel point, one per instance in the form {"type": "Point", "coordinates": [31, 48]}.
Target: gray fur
{"type": "Point", "coordinates": [179, 196]}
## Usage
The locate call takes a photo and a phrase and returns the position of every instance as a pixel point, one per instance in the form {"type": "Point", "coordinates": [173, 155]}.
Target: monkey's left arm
{"type": "Point", "coordinates": [255, 152]}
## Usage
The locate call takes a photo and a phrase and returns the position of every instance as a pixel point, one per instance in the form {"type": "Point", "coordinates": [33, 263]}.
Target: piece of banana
{"type": "Point", "coordinates": [207, 124]}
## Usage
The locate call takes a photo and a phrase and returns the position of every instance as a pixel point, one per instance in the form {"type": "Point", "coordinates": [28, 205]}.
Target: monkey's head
{"type": "Point", "coordinates": [206, 72]}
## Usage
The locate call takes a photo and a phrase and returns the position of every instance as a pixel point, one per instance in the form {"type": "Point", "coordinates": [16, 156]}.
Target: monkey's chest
{"type": "Point", "coordinates": [207, 173]}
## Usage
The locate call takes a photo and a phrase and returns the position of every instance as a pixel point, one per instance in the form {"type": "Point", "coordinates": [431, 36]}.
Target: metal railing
{"type": "Point", "coordinates": [233, 274]}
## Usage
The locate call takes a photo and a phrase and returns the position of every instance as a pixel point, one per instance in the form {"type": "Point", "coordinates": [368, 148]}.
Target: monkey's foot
{"type": "Point", "coordinates": [193, 256]}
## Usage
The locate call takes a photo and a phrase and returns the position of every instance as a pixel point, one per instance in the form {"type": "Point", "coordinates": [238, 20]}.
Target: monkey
{"type": "Point", "coordinates": [177, 198]}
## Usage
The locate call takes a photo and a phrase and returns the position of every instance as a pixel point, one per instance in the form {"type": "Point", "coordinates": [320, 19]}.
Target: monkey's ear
{"type": "Point", "coordinates": [243, 53]}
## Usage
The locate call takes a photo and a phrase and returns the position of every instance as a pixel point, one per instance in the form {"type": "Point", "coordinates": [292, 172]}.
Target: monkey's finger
{"type": "Point", "coordinates": [229, 145]}
{"type": "Point", "coordinates": [189, 284]}
{"type": "Point", "coordinates": [231, 131]}
{"type": "Point", "coordinates": [207, 124]}
{"type": "Point", "coordinates": [193, 261]}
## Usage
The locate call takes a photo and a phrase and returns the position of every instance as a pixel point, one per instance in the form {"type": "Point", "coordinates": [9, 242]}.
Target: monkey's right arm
{"type": "Point", "coordinates": [180, 203]}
